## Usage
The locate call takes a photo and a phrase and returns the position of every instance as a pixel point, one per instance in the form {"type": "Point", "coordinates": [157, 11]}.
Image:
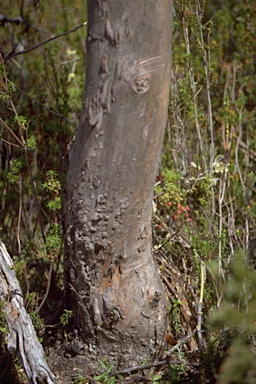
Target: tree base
{"type": "Point", "coordinates": [70, 357]}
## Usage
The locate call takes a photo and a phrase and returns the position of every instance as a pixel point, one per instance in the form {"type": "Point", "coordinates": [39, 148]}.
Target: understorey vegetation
{"type": "Point", "coordinates": [203, 212]}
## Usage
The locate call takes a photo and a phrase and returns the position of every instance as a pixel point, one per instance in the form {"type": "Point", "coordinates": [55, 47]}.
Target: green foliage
{"type": "Point", "coordinates": [31, 142]}
{"type": "Point", "coordinates": [19, 267]}
{"type": "Point", "coordinates": [208, 165]}
{"type": "Point", "coordinates": [174, 373]}
{"type": "Point", "coordinates": [155, 378]}
{"type": "Point", "coordinates": [171, 194]}
{"type": "Point", "coordinates": [66, 315]}
{"type": "Point", "coordinates": [80, 380]}
{"type": "Point", "coordinates": [32, 305]}
{"type": "Point", "coordinates": [171, 198]}
{"type": "Point", "coordinates": [53, 185]}
{"type": "Point", "coordinates": [176, 316]}
{"type": "Point", "coordinates": [238, 310]}
{"type": "Point", "coordinates": [40, 102]}
{"type": "Point", "coordinates": [20, 120]}
{"type": "Point", "coordinates": [9, 87]}
{"type": "Point", "coordinates": [237, 315]}
{"type": "Point", "coordinates": [13, 175]}
{"type": "Point", "coordinates": [239, 367]}
{"type": "Point", "coordinates": [36, 127]}
{"type": "Point", "coordinates": [3, 325]}
{"type": "Point", "coordinates": [104, 377]}
{"type": "Point", "coordinates": [53, 238]}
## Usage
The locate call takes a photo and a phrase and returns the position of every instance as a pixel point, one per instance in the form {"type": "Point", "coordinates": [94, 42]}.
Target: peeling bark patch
{"type": "Point", "coordinates": [95, 111]}
{"type": "Point", "coordinates": [96, 312]}
{"type": "Point", "coordinates": [103, 9]}
{"type": "Point", "coordinates": [101, 102]}
{"type": "Point", "coordinates": [109, 30]}
{"type": "Point", "coordinates": [116, 33]}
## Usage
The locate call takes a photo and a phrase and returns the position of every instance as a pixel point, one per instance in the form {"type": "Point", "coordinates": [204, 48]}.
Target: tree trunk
{"type": "Point", "coordinates": [117, 297]}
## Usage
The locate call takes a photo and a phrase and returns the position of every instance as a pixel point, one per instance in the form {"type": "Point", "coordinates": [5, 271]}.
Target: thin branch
{"type": "Point", "coordinates": [21, 9]}
{"type": "Point", "coordinates": [173, 234]}
{"type": "Point", "coordinates": [52, 111]}
{"type": "Point", "coordinates": [16, 20]}
{"type": "Point", "coordinates": [47, 289]}
{"type": "Point", "coordinates": [247, 150]}
{"type": "Point", "coordinates": [9, 143]}
{"type": "Point", "coordinates": [19, 215]}
{"type": "Point", "coordinates": [199, 309]}
{"type": "Point", "coordinates": [181, 342]}
{"type": "Point", "coordinates": [206, 60]}
{"type": "Point", "coordinates": [160, 363]}
{"type": "Point", "coordinates": [10, 130]}
{"type": "Point", "coordinates": [11, 55]}
{"type": "Point", "coordinates": [193, 89]}
{"type": "Point", "coordinates": [240, 114]}
{"type": "Point", "coordinates": [147, 366]}
{"type": "Point", "coordinates": [20, 20]}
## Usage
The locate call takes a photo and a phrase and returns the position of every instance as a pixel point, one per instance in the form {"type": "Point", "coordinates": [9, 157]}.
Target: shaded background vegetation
{"type": "Point", "coordinates": [204, 213]}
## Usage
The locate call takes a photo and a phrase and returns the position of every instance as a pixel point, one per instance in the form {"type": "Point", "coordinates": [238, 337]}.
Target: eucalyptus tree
{"type": "Point", "coordinates": [113, 283]}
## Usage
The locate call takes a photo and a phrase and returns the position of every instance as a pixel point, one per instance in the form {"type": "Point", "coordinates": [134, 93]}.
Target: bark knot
{"type": "Point", "coordinates": [141, 85]}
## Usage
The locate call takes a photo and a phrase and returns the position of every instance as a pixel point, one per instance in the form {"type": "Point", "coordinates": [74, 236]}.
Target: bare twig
{"type": "Point", "coordinates": [199, 310]}
{"type": "Point", "coordinates": [47, 289]}
{"type": "Point", "coordinates": [182, 341]}
{"type": "Point", "coordinates": [159, 363]}
{"type": "Point", "coordinates": [244, 147]}
{"type": "Point", "coordinates": [173, 234]}
{"type": "Point", "coordinates": [14, 54]}
{"type": "Point", "coordinates": [11, 131]}
{"type": "Point", "coordinates": [193, 89]}
{"type": "Point", "coordinates": [222, 193]}
{"type": "Point", "coordinates": [155, 364]}
{"type": "Point", "coordinates": [206, 59]}
{"type": "Point", "coordinates": [50, 110]}
{"type": "Point", "coordinates": [19, 215]}
{"type": "Point", "coordinates": [240, 114]}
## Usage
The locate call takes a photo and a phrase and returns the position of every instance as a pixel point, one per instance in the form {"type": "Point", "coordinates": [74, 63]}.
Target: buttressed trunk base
{"type": "Point", "coordinates": [117, 297]}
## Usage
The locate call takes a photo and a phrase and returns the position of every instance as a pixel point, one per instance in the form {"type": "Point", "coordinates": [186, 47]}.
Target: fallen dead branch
{"type": "Point", "coordinates": [22, 337]}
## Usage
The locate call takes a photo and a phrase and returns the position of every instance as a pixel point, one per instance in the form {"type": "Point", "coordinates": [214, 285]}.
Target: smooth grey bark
{"type": "Point", "coordinates": [22, 337]}
{"type": "Point", "coordinates": [116, 294]}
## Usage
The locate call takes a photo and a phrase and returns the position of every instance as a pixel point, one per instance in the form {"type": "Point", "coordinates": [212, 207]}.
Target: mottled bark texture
{"type": "Point", "coordinates": [115, 290]}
